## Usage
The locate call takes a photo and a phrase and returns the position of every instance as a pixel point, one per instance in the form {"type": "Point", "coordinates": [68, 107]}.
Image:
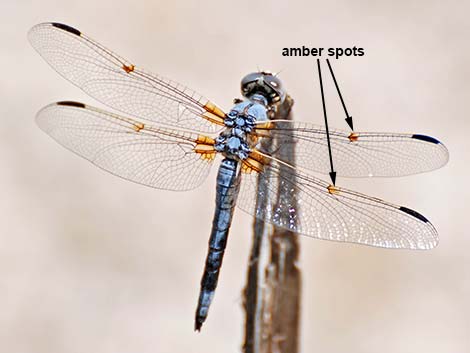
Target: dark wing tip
{"type": "Point", "coordinates": [66, 28]}
{"type": "Point", "coordinates": [426, 138]}
{"type": "Point", "coordinates": [414, 214]}
{"type": "Point", "coordinates": [71, 104]}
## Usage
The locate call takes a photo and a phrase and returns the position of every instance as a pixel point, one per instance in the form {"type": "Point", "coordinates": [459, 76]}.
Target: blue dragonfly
{"type": "Point", "coordinates": [170, 136]}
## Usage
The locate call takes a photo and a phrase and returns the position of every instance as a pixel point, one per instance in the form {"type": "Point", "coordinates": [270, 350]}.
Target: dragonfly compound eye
{"type": "Point", "coordinates": [265, 84]}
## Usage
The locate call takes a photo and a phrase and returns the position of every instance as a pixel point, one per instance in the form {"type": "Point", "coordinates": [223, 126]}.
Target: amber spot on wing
{"type": "Point", "coordinates": [333, 190]}
{"type": "Point", "coordinates": [205, 147]}
{"type": "Point", "coordinates": [262, 130]}
{"type": "Point", "coordinates": [206, 140]}
{"type": "Point", "coordinates": [247, 167]}
{"type": "Point", "coordinates": [212, 108]}
{"type": "Point", "coordinates": [353, 137]}
{"type": "Point", "coordinates": [138, 126]}
{"type": "Point", "coordinates": [215, 119]}
{"type": "Point", "coordinates": [253, 139]}
{"type": "Point", "coordinates": [257, 156]}
{"type": "Point", "coordinates": [261, 133]}
{"type": "Point", "coordinates": [254, 163]}
{"type": "Point", "coordinates": [265, 125]}
{"type": "Point", "coordinates": [128, 68]}
{"type": "Point", "coordinates": [208, 156]}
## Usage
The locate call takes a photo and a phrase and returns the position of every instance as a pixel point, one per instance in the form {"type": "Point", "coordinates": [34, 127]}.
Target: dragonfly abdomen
{"type": "Point", "coordinates": [228, 180]}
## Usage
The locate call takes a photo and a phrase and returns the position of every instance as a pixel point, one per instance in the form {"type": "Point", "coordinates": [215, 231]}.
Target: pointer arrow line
{"type": "Point", "coordinates": [348, 119]}
{"type": "Point", "coordinates": [332, 173]}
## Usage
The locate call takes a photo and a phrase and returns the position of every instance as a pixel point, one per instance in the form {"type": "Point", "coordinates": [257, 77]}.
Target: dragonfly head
{"type": "Point", "coordinates": [264, 83]}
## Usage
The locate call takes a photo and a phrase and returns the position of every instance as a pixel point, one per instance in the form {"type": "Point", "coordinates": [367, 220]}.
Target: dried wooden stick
{"type": "Point", "coordinates": [272, 292]}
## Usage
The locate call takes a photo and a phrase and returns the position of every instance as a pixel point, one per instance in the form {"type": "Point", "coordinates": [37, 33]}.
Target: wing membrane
{"type": "Point", "coordinates": [157, 157]}
{"type": "Point", "coordinates": [310, 206]}
{"type": "Point", "coordinates": [362, 154]}
{"type": "Point", "coordinates": [118, 83]}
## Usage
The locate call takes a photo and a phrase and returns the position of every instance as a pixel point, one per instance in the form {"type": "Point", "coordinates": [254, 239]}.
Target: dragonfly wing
{"type": "Point", "coordinates": [360, 154]}
{"type": "Point", "coordinates": [118, 83]}
{"type": "Point", "coordinates": [312, 207]}
{"type": "Point", "coordinates": [157, 157]}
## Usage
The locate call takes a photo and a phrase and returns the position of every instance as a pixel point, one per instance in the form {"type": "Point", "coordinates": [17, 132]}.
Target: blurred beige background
{"type": "Point", "coordinates": [92, 263]}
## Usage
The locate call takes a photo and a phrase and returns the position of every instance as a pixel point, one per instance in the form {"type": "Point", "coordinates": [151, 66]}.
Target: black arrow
{"type": "Point", "coordinates": [332, 173]}
{"type": "Point", "coordinates": [349, 118]}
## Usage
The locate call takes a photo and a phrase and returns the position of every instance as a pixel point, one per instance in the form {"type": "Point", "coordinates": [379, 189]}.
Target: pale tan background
{"type": "Point", "coordinates": [92, 263]}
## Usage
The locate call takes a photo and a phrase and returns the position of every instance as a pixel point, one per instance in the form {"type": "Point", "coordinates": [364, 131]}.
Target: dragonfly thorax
{"type": "Point", "coordinates": [233, 142]}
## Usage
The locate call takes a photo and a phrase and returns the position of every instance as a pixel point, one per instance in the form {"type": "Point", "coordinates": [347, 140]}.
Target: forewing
{"type": "Point", "coordinates": [156, 157]}
{"type": "Point", "coordinates": [312, 207]}
{"type": "Point", "coordinates": [361, 154]}
{"type": "Point", "coordinates": [118, 83]}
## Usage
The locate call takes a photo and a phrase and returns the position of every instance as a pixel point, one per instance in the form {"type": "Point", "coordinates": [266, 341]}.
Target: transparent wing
{"type": "Point", "coordinates": [157, 157]}
{"type": "Point", "coordinates": [360, 154]}
{"type": "Point", "coordinates": [116, 82]}
{"type": "Point", "coordinates": [312, 207]}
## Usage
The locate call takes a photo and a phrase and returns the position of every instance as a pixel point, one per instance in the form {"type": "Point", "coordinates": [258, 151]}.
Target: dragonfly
{"type": "Point", "coordinates": [167, 136]}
